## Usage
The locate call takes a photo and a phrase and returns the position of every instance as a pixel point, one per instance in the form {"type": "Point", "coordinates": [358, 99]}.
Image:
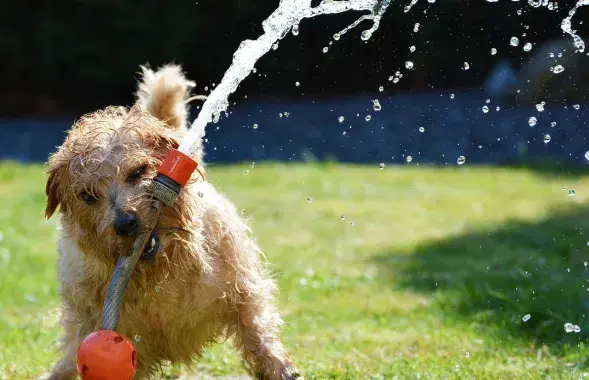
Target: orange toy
{"type": "Point", "coordinates": [106, 355]}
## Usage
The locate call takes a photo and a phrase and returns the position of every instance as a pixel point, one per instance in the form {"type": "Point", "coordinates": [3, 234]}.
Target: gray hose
{"type": "Point", "coordinates": [121, 276]}
{"type": "Point", "coordinates": [165, 192]}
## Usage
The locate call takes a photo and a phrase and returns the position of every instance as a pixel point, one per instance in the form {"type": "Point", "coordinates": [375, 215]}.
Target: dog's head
{"type": "Point", "coordinates": [100, 178]}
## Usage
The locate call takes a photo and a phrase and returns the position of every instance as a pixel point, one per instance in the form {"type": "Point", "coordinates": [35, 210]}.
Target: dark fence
{"type": "Point", "coordinates": [435, 127]}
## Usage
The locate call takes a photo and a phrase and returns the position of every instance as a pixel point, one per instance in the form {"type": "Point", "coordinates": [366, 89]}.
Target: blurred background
{"type": "Point", "coordinates": [421, 196]}
{"type": "Point", "coordinates": [73, 57]}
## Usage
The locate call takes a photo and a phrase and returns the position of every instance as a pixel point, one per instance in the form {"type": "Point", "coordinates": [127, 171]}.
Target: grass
{"type": "Point", "coordinates": [402, 273]}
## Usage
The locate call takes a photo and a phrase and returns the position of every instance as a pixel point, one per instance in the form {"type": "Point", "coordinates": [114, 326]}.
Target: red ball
{"type": "Point", "coordinates": [106, 355]}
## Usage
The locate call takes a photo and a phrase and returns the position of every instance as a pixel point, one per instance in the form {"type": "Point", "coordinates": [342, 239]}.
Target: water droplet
{"type": "Point", "coordinates": [412, 48]}
{"type": "Point", "coordinates": [409, 159]}
{"type": "Point", "coordinates": [466, 66]}
{"type": "Point", "coordinates": [568, 327]}
{"type": "Point", "coordinates": [485, 109]}
{"type": "Point", "coordinates": [587, 158]}
{"type": "Point", "coordinates": [576, 106]}
{"type": "Point", "coordinates": [341, 119]}
{"type": "Point", "coordinates": [158, 288]}
{"type": "Point", "coordinates": [487, 100]}
{"type": "Point", "coordinates": [368, 118]}
{"type": "Point", "coordinates": [297, 84]}
{"type": "Point", "coordinates": [532, 121]}
{"type": "Point", "coordinates": [514, 41]}
{"type": "Point", "coordinates": [376, 105]}
{"type": "Point", "coordinates": [467, 354]}
{"type": "Point", "coordinates": [295, 30]}
{"type": "Point", "coordinates": [558, 69]}
{"type": "Point", "coordinates": [540, 107]}
{"type": "Point", "coordinates": [337, 36]}
{"type": "Point", "coordinates": [309, 199]}
{"type": "Point", "coordinates": [553, 124]}
{"type": "Point", "coordinates": [409, 65]}
{"type": "Point", "coordinates": [137, 338]}
{"type": "Point", "coordinates": [242, 211]}
{"type": "Point", "coordinates": [246, 172]}
{"type": "Point", "coordinates": [381, 89]}
{"type": "Point", "coordinates": [547, 138]}
{"type": "Point", "coordinates": [497, 108]}
{"type": "Point", "coordinates": [577, 329]}
{"type": "Point", "coordinates": [451, 96]}
{"type": "Point", "coordinates": [416, 27]}
{"type": "Point", "coordinates": [325, 49]}
{"type": "Point", "coordinates": [585, 263]}
{"type": "Point", "coordinates": [342, 217]}
{"type": "Point", "coordinates": [275, 46]}
{"type": "Point", "coordinates": [381, 165]}
{"type": "Point", "coordinates": [396, 80]}
{"type": "Point", "coordinates": [353, 224]}
{"type": "Point", "coordinates": [286, 114]}
{"type": "Point", "coordinates": [344, 133]}
{"type": "Point", "coordinates": [255, 126]}
{"type": "Point", "coordinates": [421, 129]}
{"type": "Point", "coordinates": [526, 317]}
{"type": "Point", "coordinates": [572, 192]}
{"type": "Point", "coordinates": [527, 46]}
{"type": "Point", "coordinates": [366, 35]}
{"type": "Point", "coordinates": [493, 51]}
{"type": "Point", "coordinates": [461, 160]}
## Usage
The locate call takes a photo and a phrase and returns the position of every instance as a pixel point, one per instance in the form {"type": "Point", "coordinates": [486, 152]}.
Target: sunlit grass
{"type": "Point", "coordinates": [401, 272]}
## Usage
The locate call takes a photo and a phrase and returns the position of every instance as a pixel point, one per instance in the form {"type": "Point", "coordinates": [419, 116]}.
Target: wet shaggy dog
{"type": "Point", "coordinates": [200, 278]}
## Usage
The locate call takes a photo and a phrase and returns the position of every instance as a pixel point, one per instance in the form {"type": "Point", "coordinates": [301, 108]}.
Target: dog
{"type": "Point", "coordinates": [200, 279]}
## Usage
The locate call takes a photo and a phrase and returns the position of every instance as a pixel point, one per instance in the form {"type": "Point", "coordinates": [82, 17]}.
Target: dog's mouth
{"type": "Point", "coordinates": [153, 245]}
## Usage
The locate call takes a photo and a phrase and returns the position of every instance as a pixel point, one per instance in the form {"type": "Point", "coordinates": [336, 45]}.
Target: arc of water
{"type": "Point", "coordinates": [288, 14]}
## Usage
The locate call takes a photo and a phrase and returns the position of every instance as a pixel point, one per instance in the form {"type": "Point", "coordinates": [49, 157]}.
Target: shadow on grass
{"type": "Point", "coordinates": [492, 278]}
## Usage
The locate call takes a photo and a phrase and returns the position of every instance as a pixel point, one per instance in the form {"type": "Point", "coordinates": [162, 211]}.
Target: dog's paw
{"type": "Point", "coordinates": [292, 374]}
{"type": "Point", "coordinates": [289, 373]}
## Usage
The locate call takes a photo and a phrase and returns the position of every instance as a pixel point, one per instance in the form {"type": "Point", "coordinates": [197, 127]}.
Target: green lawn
{"type": "Point", "coordinates": [405, 272]}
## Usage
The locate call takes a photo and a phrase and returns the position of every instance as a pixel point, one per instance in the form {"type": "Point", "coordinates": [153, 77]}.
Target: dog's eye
{"type": "Point", "coordinates": [88, 198]}
{"type": "Point", "coordinates": [138, 173]}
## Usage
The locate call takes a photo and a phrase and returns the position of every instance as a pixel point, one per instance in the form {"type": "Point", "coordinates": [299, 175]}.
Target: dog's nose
{"type": "Point", "coordinates": [126, 224]}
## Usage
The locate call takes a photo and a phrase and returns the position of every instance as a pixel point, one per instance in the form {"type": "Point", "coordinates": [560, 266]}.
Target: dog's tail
{"type": "Point", "coordinates": [165, 94]}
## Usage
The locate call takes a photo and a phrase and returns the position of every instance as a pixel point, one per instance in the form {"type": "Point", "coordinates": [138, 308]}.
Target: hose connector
{"type": "Point", "coordinates": [172, 175]}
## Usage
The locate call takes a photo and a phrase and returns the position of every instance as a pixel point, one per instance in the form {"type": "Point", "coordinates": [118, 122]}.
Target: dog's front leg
{"type": "Point", "coordinates": [76, 329]}
{"type": "Point", "coordinates": [258, 327]}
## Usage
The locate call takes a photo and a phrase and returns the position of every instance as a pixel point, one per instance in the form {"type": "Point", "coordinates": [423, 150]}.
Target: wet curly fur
{"type": "Point", "coordinates": [207, 281]}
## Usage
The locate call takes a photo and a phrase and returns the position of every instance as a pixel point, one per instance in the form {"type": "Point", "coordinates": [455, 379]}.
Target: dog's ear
{"type": "Point", "coordinates": [53, 188]}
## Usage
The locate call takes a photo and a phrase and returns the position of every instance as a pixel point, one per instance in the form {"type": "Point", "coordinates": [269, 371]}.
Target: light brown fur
{"type": "Point", "coordinates": [206, 283]}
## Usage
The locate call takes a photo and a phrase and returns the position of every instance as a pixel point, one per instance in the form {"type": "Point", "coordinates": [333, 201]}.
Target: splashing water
{"type": "Point", "coordinates": [566, 26]}
{"type": "Point", "coordinates": [284, 19]}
